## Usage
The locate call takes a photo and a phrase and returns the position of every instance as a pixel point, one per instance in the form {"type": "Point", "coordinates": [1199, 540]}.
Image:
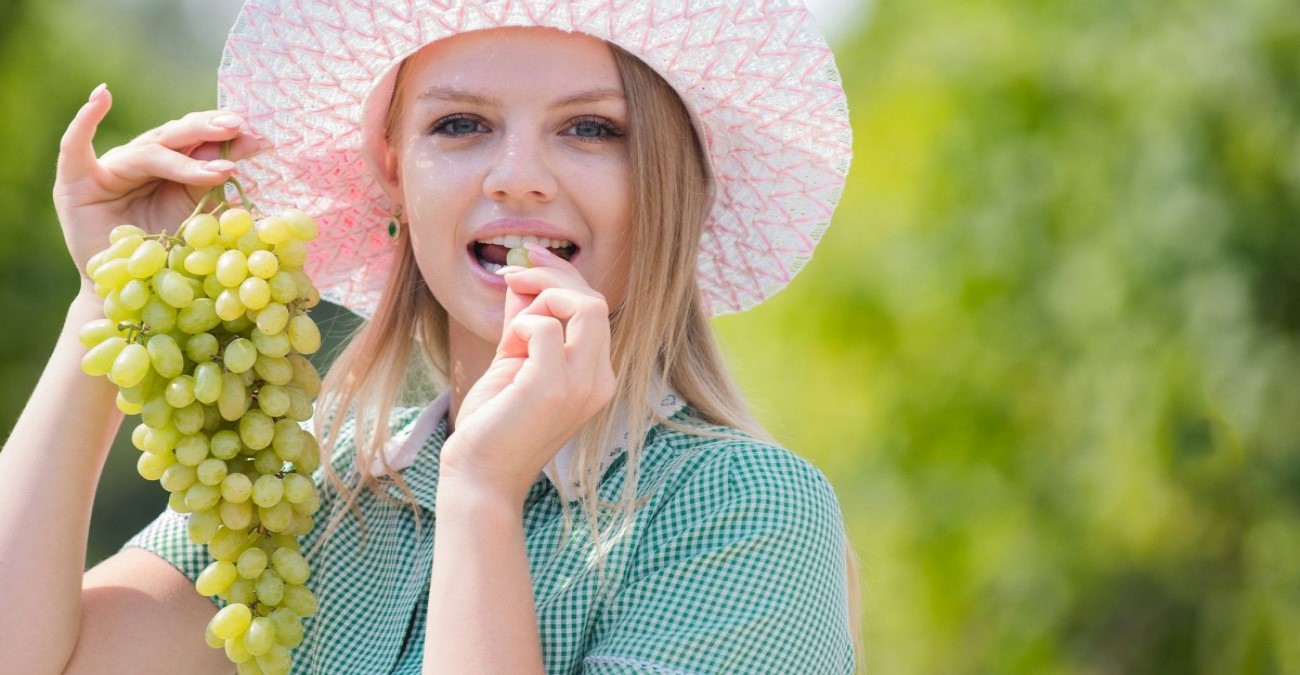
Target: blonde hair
{"type": "Point", "coordinates": [661, 328]}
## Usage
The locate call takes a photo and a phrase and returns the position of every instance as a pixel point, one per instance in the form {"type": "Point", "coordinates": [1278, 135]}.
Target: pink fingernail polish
{"type": "Point", "coordinates": [94, 93]}
{"type": "Point", "coordinates": [540, 250]}
{"type": "Point", "coordinates": [219, 165]}
{"type": "Point", "coordinates": [226, 121]}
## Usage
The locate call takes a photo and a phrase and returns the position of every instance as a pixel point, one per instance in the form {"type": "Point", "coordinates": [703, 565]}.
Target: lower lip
{"type": "Point", "coordinates": [493, 280]}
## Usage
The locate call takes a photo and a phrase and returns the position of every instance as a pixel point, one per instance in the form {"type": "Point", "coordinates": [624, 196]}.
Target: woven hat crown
{"type": "Point", "coordinates": [757, 77]}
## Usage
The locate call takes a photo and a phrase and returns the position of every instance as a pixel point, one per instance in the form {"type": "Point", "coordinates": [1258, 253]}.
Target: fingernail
{"type": "Point", "coordinates": [219, 165]}
{"type": "Point", "coordinates": [540, 250]}
{"type": "Point", "coordinates": [94, 93]}
{"type": "Point", "coordinates": [226, 120]}
{"type": "Point", "coordinates": [507, 269]}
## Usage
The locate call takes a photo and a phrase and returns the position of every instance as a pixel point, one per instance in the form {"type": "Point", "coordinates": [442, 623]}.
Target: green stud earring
{"type": "Point", "coordinates": [395, 225]}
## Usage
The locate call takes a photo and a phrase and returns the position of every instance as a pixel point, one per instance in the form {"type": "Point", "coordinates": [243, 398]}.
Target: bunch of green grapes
{"type": "Point", "coordinates": [204, 334]}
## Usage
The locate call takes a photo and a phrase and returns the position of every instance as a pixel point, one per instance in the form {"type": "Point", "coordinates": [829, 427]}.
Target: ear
{"type": "Point", "coordinates": [391, 178]}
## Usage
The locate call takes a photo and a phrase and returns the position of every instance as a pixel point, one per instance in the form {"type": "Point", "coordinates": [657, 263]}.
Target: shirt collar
{"type": "Point", "coordinates": [404, 448]}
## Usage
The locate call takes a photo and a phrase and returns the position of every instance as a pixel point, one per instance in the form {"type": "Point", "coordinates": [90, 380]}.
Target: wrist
{"type": "Point", "coordinates": [460, 493]}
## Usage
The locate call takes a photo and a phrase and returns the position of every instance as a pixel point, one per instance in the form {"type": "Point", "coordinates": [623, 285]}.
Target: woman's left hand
{"type": "Point", "coordinates": [551, 374]}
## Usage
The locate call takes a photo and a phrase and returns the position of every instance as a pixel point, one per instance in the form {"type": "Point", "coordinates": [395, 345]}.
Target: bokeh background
{"type": "Point", "coordinates": [1047, 354]}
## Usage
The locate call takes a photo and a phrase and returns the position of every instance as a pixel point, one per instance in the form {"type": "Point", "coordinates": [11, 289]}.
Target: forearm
{"type": "Point", "coordinates": [49, 468]}
{"type": "Point", "coordinates": [482, 614]}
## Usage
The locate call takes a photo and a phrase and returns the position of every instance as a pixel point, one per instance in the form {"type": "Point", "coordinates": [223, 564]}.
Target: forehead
{"type": "Point", "coordinates": [527, 61]}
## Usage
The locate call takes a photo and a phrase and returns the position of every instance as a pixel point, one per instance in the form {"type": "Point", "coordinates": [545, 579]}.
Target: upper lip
{"type": "Point", "coordinates": [522, 226]}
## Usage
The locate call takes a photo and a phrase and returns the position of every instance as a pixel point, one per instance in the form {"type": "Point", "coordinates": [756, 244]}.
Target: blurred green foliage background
{"type": "Point", "coordinates": [1047, 354]}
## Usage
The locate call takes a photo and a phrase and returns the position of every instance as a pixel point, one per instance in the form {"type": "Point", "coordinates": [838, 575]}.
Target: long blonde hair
{"type": "Point", "coordinates": [661, 327]}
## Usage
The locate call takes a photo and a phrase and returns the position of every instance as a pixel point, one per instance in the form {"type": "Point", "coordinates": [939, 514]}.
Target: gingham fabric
{"type": "Point", "coordinates": [734, 565]}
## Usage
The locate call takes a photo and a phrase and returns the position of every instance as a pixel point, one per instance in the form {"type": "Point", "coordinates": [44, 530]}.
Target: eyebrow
{"type": "Point", "coordinates": [463, 96]}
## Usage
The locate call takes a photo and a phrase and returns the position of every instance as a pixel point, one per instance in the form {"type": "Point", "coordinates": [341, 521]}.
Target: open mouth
{"type": "Point", "coordinates": [491, 253]}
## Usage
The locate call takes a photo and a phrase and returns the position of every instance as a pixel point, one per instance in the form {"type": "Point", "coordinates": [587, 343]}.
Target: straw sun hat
{"type": "Point", "coordinates": [315, 77]}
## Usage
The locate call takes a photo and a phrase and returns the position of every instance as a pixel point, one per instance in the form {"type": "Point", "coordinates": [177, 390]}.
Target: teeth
{"type": "Point", "coordinates": [491, 267]}
{"type": "Point", "coordinates": [518, 240]}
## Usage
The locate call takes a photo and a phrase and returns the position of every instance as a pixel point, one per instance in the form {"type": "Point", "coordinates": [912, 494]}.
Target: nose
{"type": "Point", "coordinates": [521, 171]}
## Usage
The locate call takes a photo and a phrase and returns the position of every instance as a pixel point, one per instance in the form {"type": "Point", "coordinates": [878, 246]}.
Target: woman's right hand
{"type": "Point", "coordinates": [153, 182]}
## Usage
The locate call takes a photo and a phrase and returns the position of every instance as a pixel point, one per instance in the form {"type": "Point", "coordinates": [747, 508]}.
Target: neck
{"type": "Point", "coordinates": [469, 359]}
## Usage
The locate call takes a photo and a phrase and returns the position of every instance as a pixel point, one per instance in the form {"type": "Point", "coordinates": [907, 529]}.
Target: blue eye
{"type": "Point", "coordinates": [457, 125]}
{"type": "Point", "coordinates": [594, 129]}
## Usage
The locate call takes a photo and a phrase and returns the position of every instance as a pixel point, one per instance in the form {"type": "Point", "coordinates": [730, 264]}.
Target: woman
{"type": "Point", "coordinates": [588, 382]}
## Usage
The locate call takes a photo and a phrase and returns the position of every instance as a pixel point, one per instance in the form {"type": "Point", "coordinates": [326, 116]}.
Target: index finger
{"type": "Point", "coordinates": [77, 149]}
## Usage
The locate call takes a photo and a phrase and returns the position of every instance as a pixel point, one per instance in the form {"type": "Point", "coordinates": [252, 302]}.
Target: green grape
{"type": "Point", "coordinates": [276, 661]}
{"type": "Point", "coordinates": [291, 566]}
{"type": "Point", "coordinates": [203, 526]}
{"type": "Point", "coordinates": [301, 225]}
{"type": "Point", "coordinates": [266, 461]}
{"type": "Point", "coordinates": [236, 487]}
{"type": "Point", "coordinates": [192, 450]}
{"type": "Point", "coordinates": [284, 289]}
{"type": "Point", "coordinates": [176, 502]}
{"type": "Point", "coordinates": [299, 600]}
{"type": "Point", "coordinates": [272, 318]}
{"type": "Point", "coordinates": [270, 588]}
{"type": "Point", "coordinates": [271, 345]}
{"type": "Point", "coordinates": [121, 231]}
{"type": "Point", "coordinates": [178, 477]}
{"type": "Point", "coordinates": [305, 374]}
{"type": "Point", "coordinates": [292, 254]}
{"type": "Point", "coordinates": [252, 563]}
{"type": "Point", "coordinates": [200, 497]}
{"type": "Point", "coordinates": [202, 347]}
{"type": "Point", "coordinates": [96, 331]}
{"type": "Point", "coordinates": [267, 491]}
{"type": "Point", "coordinates": [158, 315]}
{"type": "Point", "coordinates": [238, 325]}
{"type": "Point", "coordinates": [173, 287]}
{"type": "Point", "coordinates": [99, 360]}
{"type": "Point", "coordinates": [287, 441]}
{"type": "Point", "coordinates": [297, 488]}
{"type": "Point", "coordinates": [213, 288]}
{"type": "Point", "coordinates": [260, 636]}
{"type": "Point", "coordinates": [243, 591]}
{"type": "Point", "coordinates": [256, 430]}
{"type": "Point", "coordinates": [309, 459]}
{"type": "Point", "coordinates": [230, 621]}
{"type": "Point", "coordinates": [115, 310]}
{"type": "Point", "coordinates": [288, 627]}
{"type": "Point", "coordinates": [518, 257]}
{"type": "Point", "coordinates": [284, 541]}
{"type": "Point", "coordinates": [200, 230]}
{"type": "Point", "coordinates": [275, 370]}
{"type": "Point", "coordinates": [162, 440]}
{"type": "Point", "coordinates": [144, 389]}
{"type": "Point", "coordinates": [237, 515]}
{"type": "Point", "coordinates": [216, 578]}
{"type": "Point", "coordinates": [156, 412]}
{"type": "Point", "coordinates": [228, 543]}
{"type": "Point", "coordinates": [232, 268]}
{"type": "Point", "coordinates": [211, 471]}
{"type": "Point", "coordinates": [165, 355]}
{"type": "Point", "coordinates": [273, 400]}
{"type": "Point", "coordinates": [212, 419]}
{"type": "Point", "coordinates": [240, 355]}
{"type": "Point", "coordinates": [134, 294]}
{"type": "Point", "coordinates": [190, 419]}
{"type": "Point", "coordinates": [229, 306]}
{"type": "Point", "coordinates": [138, 434]}
{"type": "Point", "coordinates": [112, 274]}
{"type": "Point", "coordinates": [235, 222]}
{"type": "Point", "coordinates": [236, 651]}
{"type": "Point", "coordinates": [272, 230]}
{"type": "Point", "coordinates": [180, 391]}
{"type": "Point", "coordinates": [203, 261]}
{"type": "Point", "coordinates": [212, 639]}
{"type": "Point", "coordinates": [263, 264]}
{"type": "Point", "coordinates": [152, 467]}
{"type": "Point", "coordinates": [254, 292]}
{"type": "Point", "coordinates": [304, 335]}
{"type": "Point", "coordinates": [308, 506]}
{"type": "Point", "coordinates": [224, 444]}
{"type": "Point", "coordinates": [276, 518]}
{"type": "Point", "coordinates": [200, 316]}
{"type": "Point", "coordinates": [207, 382]}
{"type": "Point", "coordinates": [130, 366]}
{"type": "Point", "coordinates": [300, 524]}
{"type": "Point", "coordinates": [125, 246]}
{"type": "Point", "coordinates": [248, 243]}
{"type": "Point", "coordinates": [251, 667]}
{"type": "Point", "coordinates": [300, 409]}
{"type": "Point", "coordinates": [177, 256]}
{"type": "Point", "coordinates": [146, 259]}
{"type": "Point", "coordinates": [126, 406]}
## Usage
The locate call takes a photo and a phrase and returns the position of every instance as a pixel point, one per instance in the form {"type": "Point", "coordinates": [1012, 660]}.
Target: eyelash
{"type": "Point", "coordinates": [611, 130]}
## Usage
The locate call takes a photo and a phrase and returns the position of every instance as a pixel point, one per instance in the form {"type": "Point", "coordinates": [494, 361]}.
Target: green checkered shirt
{"type": "Point", "coordinates": [735, 565]}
